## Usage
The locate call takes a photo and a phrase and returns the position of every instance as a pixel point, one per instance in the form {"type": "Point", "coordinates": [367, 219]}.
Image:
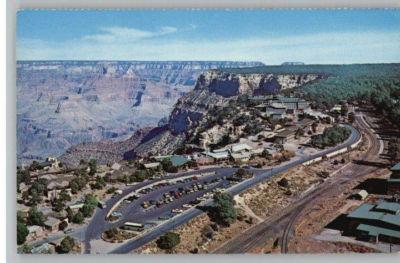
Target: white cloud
{"type": "Point", "coordinates": [126, 34]}
{"type": "Point", "coordinates": [128, 44]}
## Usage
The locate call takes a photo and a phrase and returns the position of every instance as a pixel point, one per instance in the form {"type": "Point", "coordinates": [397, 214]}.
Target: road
{"type": "Point", "coordinates": [282, 223]}
{"type": "Point", "coordinates": [236, 189]}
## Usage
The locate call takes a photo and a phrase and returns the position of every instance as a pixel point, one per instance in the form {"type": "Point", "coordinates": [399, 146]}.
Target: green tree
{"type": "Point", "coordinates": [224, 209]}
{"type": "Point", "coordinates": [35, 166]}
{"type": "Point", "coordinates": [87, 210]}
{"type": "Point", "coordinates": [111, 233]}
{"type": "Point", "coordinates": [168, 241]}
{"type": "Point", "coordinates": [58, 205]}
{"type": "Point", "coordinates": [78, 218]}
{"type": "Point", "coordinates": [92, 167]}
{"type": "Point", "coordinates": [66, 245]}
{"type": "Point", "coordinates": [65, 196]}
{"type": "Point", "coordinates": [22, 233]}
{"type": "Point", "coordinates": [35, 217]}
{"type": "Point", "coordinates": [63, 225]}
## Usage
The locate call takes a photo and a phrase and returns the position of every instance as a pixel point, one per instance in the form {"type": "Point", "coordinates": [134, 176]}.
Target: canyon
{"type": "Point", "coordinates": [67, 104]}
{"type": "Point", "coordinates": [214, 88]}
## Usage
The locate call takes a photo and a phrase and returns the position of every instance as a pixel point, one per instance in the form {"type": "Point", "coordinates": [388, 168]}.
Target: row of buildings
{"type": "Point", "coordinates": [379, 221]}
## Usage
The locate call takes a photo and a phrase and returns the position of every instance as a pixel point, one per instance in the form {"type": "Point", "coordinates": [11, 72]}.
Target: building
{"type": "Point", "coordinates": [242, 157]}
{"type": "Point", "coordinates": [76, 206]}
{"type": "Point", "coordinates": [218, 156]}
{"type": "Point", "coordinates": [178, 160]}
{"type": "Point", "coordinates": [360, 195]}
{"type": "Point", "coordinates": [50, 163]}
{"type": "Point", "coordinates": [52, 224]}
{"type": "Point", "coordinates": [151, 165]}
{"type": "Point", "coordinates": [241, 147]}
{"type": "Point", "coordinates": [203, 159]}
{"type": "Point", "coordinates": [276, 111]}
{"type": "Point", "coordinates": [376, 222]}
{"type": "Point", "coordinates": [393, 183]}
{"type": "Point", "coordinates": [284, 136]}
{"type": "Point", "coordinates": [292, 104]}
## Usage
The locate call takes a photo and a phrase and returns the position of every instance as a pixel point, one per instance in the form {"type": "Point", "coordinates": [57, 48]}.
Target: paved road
{"type": "Point", "coordinates": [281, 224]}
{"type": "Point", "coordinates": [259, 177]}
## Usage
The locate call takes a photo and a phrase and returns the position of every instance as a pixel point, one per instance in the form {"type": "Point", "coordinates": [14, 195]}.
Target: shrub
{"type": "Point", "coordinates": [22, 233]}
{"type": "Point", "coordinates": [66, 245]}
{"type": "Point", "coordinates": [168, 240]}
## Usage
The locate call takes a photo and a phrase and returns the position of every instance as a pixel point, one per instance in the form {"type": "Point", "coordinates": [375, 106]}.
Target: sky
{"type": "Point", "coordinates": [268, 36]}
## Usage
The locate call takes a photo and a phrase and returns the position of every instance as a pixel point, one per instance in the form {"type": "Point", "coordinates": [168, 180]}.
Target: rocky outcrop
{"type": "Point", "coordinates": [214, 88]}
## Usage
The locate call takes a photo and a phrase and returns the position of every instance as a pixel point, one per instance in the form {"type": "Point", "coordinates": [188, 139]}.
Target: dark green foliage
{"type": "Point", "coordinates": [89, 206]}
{"type": "Point", "coordinates": [224, 212]}
{"type": "Point", "coordinates": [330, 137]}
{"type": "Point", "coordinates": [168, 240]}
{"type": "Point", "coordinates": [22, 233]}
{"type": "Point", "coordinates": [78, 218]}
{"type": "Point", "coordinates": [111, 190]}
{"type": "Point", "coordinates": [92, 166]}
{"type": "Point", "coordinates": [23, 176]}
{"type": "Point", "coordinates": [35, 166]}
{"type": "Point", "coordinates": [78, 183]}
{"type": "Point", "coordinates": [66, 245]}
{"type": "Point", "coordinates": [64, 196]}
{"type": "Point", "coordinates": [225, 140]}
{"type": "Point", "coordinates": [58, 205]}
{"type": "Point", "coordinates": [99, 184]}
{"type": "Point", "coordinates": [168, 167]}
{"type": "Point", "coordinates": [35, 217]}
{"type": "Point", "coordinates": [111, 233]}
{"type": "Point", "coordinates": [63, 225]}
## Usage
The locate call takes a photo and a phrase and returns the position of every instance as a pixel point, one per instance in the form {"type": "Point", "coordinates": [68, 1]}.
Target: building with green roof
{"type": "Point", "coordinates": [377, 234]}
{"type": "Point", "coordinates": [374, 221]}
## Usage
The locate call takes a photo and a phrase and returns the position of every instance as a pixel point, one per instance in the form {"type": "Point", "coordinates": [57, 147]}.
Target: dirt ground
{"type": "Point", "coordinates": [192, 240]}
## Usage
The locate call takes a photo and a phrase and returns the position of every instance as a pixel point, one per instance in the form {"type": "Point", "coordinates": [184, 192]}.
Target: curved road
{"type": "Point", "coordinates": [236, 189]}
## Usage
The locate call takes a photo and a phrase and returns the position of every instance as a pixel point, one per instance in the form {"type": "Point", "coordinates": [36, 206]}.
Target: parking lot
{"type": "Point", "coordinates": [163, 200]}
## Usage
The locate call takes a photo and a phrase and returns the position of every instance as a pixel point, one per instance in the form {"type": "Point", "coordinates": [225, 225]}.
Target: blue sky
{"type": "Point", "coordinates": [270, 36]}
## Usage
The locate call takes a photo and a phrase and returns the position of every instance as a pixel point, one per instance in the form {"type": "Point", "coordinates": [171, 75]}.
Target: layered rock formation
{"type": "Point", "coordinates": [64, 103]}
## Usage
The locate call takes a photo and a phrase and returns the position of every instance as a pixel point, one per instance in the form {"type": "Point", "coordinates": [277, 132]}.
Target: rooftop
{"type": "Point", "coordinates": [396, 167]}
{"type": "Point", "coordinates": [151, 165]}
{"type": "Point", "coordinates": [178, 160]}
{"type": "Point", "coordinates": [377, 231]}
{"type": "Point", "coordinates": [389, 206]}
{"type": "Point", "coordinates": [365, 211]}
{"type": "Point", "coordinates": [240, 147]}
{"type": "Point", "coordinates": [218, 155]}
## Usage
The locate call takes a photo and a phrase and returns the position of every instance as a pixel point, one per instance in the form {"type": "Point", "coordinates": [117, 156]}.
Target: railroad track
{"type": "Point", "coordinates": [284, 221]}
{"type": "Point", "coordinates": [355, 173]}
